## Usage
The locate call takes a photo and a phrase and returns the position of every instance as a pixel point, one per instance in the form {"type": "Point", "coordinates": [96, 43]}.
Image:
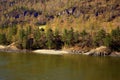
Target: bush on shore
{"type": "Point", "coordinates": [34, 38]}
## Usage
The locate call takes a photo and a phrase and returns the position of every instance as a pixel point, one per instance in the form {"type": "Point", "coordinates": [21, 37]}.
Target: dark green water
{"type": "Point", "coordinates": [51, 67]}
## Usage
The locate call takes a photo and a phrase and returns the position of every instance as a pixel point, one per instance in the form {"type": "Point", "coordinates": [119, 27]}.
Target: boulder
{"type": "Point", "coordinates": [103, 50]}
{"type": "Point", "coordinates": [100, 51]}
{"type": "Point", "coordinates": [12, 47]}
{"type": "Point", "coordinates": [116, 54]}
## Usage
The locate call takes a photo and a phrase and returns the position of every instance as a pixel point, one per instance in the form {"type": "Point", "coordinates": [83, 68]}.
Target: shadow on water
{"type": "Point", "coordinates": [58, 67]}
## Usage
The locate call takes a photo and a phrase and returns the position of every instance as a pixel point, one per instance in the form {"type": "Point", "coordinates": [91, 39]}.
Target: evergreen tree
{"type": "Point", "coordinates": [76, 36]}
{"type": "Point", "coordinates": [116, 33]}
{"type": "Point", "coordinates": [64, 37]}
{"type": "Point", "coordinates": [28, 30]}
{"type": "Point", "coordinates": [99, 38]}
{"type": "Point", "coordinates": [49, 38]}
{"type": "Point", "coordinates": [70, 39]}
{"type": "Point", "coordinates": [84, 35]}
{"type": "Point", "coordinates": [108, 41]}
{"type": "Point", "coordinates": [25, 42]}
{"type": "Point", "coordinates": [57, 40]}
{"type": "Point", "coordinates": [3, 39]}
{"type": "Point", "coordinates": [116, 39]}
{"type": "Point", "coordinates": [12, 31]}
{"type": "Point", "coordinates": [37, 36]}
{"type": "Point", "coordinates": [56, 33]}
{"type": "Point", "coordinates": [21, 35]}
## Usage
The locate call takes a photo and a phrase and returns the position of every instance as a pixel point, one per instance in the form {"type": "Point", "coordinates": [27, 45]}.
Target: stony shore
{"type": "Point", "coordinates": [12, 49]}
{"type": "Point", "coordinates": [100, 51]}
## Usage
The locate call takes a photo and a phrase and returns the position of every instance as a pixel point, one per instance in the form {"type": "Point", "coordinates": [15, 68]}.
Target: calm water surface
{"type": "Point", "coordinates": [56, 67]}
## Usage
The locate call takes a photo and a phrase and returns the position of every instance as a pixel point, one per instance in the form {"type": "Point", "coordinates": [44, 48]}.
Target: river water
{"type": "Point", "coordinates": [57, 67]}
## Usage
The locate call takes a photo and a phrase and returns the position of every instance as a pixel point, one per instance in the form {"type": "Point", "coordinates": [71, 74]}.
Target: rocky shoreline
{"type": "Point", "coordinates": [100, 51]}
{"type": "Point", "coordinates": [12, 49]}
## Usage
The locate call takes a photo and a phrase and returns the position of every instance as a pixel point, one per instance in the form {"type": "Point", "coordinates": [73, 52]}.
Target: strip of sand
{"type": "Point", "coordinates": [2, 47]}
{"type": "Point", "coordinates": [54, 52]}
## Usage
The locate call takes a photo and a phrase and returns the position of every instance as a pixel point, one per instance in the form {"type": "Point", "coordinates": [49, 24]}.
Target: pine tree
{"type": "Point", "coordinates": [64, 37]}
{"type": "Point", "coordinates": [116, 39]}
{"type": "Point", "coordinates": [49, 38]}
{"type": "Point", "coordinates": [12, 31]}
{"type": "Point", "coordinates": [108, 40]}
{"type": "Point", "coordinates": [70, 38]}
{"type": "Point", "coordinates": [3, 39]}
{"type": "Point", "coordinates": [37, 35]}
{"type": "Point", "coordinates": [99, 38]}
{"type": "Point", "coordinates": [76, 36]}
{"type": "Point", "coordinates": [21, 36]}
{"type": "Point", "coordinates": [57, 40]}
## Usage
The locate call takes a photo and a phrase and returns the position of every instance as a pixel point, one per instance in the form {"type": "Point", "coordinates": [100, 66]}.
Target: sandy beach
{"type": "Point", "coordinates": [54, 52]}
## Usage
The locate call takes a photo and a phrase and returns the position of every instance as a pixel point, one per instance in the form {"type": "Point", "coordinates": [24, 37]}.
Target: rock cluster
{"type": "Point", "coordinates": [78, 51]}
{"type": "Point", "coordinates": [11, 48]}
{"type": "Point", "coordinates": [100, 51]}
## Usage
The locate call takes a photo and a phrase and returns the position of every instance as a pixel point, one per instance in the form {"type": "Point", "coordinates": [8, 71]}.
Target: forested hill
{"type": "Point", "coordinates": [41, 12]}
{"type": "Point", "coordinates": [45, 24]}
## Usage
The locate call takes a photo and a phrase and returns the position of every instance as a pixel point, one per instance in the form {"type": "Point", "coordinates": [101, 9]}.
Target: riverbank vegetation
{"type": "Point", "coordinates": [35, 38]}
{"type": "Point", "coordinates": [58, 24]}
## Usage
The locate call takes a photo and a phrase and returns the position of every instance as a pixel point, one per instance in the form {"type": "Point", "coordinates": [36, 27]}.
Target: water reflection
{"type": "Point", "coordinates": [50, 67]}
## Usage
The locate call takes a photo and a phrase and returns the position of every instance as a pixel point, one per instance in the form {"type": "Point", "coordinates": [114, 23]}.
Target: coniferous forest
{"type": "Point", "coordinates": [57, 24]}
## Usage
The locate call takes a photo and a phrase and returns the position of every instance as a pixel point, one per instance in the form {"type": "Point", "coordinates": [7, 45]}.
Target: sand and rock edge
{"type": "Point", "coordinates": [100, 51]}
{"type": "Point", "coordinates": [12, 49]}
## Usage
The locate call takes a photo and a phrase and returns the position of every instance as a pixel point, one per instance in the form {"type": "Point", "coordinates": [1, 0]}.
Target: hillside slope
{"type": "Point", "coordinates": [72, 13]}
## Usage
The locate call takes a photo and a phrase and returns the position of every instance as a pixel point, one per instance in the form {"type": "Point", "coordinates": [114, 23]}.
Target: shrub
{"type": "Point", "coordinates": [116, 39]}
{"type": "Point", "coordinates": [83, 34]}
{"type": "Point", "coordinates": [3, 39]}
{"type": "Point", "coordinates": [108, 41]}
{"type": "Point", "coordinates": [57, 39]}
{"type": "Point", "coordinates": [76, 37]}
{"type": "Point", "coordinates": [21, 39]}
{"type": "Point", "coordinates": [64, 37]}
{"type": "Point", "coordinates": [68, 37]}
{"type": "Point", "coordinates": [99, 38]}
{"type": "Point", "coordinates": [49, 38]}
{"type": "Point", "coordinates": [12, 31]}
